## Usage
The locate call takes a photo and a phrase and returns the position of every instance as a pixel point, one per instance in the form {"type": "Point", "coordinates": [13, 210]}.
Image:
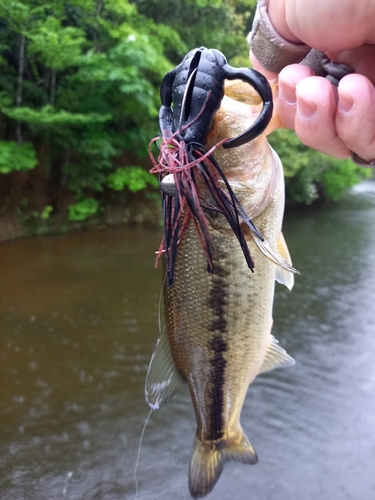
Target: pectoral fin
{"type": "Point", "coordinates": [272, 254]}
{"type": "Point", "coordinates": [241, 190]}
{"type": "Point", "coordinates": [163, 379]}
{"type": "Point", "coordinates": [276, 356]}
{"type": "Point", "coordinates": [238, 187]}
{"type": "Point", "coordinates": [282, 276]}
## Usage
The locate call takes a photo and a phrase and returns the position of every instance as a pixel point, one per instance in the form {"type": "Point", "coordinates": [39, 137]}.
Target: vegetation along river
{"type": "Point", "coordinates": [78, 323]}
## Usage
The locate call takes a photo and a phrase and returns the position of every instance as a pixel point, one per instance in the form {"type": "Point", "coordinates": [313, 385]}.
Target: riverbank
{"type": "Point", "coordinates": [118, 210]}
{"type": "Point", "coordinates": [20, 223]}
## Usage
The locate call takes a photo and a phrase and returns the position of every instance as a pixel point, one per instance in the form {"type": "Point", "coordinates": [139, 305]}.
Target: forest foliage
{"type": "Point", "coordinates": [79, 94]}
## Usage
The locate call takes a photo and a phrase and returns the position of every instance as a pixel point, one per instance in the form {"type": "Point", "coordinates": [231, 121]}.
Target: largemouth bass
{"type": "Point", "coordinates": [217, 333]}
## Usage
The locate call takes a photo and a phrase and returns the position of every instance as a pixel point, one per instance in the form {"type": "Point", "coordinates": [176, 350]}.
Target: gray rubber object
{"type": "Point", "coordinates": [274, 52]}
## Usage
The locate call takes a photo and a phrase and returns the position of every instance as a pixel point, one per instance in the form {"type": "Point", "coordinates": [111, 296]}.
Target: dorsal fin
{"type": "Point", "coordinates": [276, 356]}
{"type": "Point", "coordinates": [163, 379]}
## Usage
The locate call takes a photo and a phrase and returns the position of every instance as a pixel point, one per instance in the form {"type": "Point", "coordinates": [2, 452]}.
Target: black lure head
{"type": "Point", "coordinates": [195, 88]}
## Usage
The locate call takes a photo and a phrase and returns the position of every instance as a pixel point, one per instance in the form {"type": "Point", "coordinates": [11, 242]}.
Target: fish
{"type": "Point", "coordinates": [216, 336]}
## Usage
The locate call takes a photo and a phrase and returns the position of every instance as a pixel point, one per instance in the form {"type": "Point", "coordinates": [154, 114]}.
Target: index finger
{"type": "Point", "coordinates": [256, 65]}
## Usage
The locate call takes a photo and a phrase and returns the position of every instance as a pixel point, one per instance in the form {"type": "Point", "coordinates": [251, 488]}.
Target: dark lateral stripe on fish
{"type": "Point", "coordinates": [218, 364]}
{"type": "Point", "coordinates": [217, 303]}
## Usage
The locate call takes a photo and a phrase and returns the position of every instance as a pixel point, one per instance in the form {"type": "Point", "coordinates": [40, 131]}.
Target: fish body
{"type": "Point", "coordinates": [217, 335]}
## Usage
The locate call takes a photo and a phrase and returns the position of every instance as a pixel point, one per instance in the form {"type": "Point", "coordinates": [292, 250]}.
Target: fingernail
{"type": "Point", "coordinates": [288, 93]}
{"type": "Point", "coordinates": [306, 108]}
{"type": "Point", "coordinates": [345, 102]}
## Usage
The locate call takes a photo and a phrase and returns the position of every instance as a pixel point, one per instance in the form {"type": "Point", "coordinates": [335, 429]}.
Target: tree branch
{"type": "Point", "coordinates": [99, 7]}
{"type": "Point", "coordinates": [21, 65]}
{"type": "Point", "coordinates": [53, 86]}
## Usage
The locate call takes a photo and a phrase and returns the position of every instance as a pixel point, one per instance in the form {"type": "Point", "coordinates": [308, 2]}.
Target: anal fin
{"type": "Point", "coordinates": [163, 379]}
{"type": "Point", "coordinates": [275, 357]}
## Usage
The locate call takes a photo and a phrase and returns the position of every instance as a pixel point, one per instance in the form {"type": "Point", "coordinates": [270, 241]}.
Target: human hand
{"type": "Point", "coordinates": [333, 120]}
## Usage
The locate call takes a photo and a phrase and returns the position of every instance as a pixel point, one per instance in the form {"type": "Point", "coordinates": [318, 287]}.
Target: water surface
{"type": "Point", "coordinates": [78, 323]}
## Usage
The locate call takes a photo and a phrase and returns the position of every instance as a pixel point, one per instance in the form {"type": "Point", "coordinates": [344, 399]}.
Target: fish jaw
{"type": "Point", "coordinates": [253, 169]}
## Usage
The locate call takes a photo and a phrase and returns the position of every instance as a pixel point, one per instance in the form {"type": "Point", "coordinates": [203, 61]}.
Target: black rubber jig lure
{"type": "Point", "coordinates": [195, 88]}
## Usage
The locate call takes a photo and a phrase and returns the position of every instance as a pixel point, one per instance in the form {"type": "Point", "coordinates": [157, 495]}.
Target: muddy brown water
{"type": "Point", "coordinates": [78, 323]}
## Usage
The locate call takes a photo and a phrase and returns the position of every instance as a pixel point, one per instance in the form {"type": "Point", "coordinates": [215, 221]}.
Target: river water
{"type": "Point", "coordinates": [78, 323]}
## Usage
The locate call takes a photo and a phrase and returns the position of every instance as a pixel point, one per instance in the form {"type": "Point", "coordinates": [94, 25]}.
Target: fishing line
{"type": "Point", "coordinates": [160, 298]}
{"type": "Point", "coordinates": [139, 455]}
{"type": "Point", "coordinates": [149, 415]}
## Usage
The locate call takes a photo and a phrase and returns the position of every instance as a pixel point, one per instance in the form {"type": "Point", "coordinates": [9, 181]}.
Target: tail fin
{"type": "Point", "coordinates": [207, 462]}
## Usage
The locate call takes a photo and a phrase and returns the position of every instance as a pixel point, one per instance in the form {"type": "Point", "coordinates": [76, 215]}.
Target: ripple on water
{"type": "Point", "coordinates": [72, 406]}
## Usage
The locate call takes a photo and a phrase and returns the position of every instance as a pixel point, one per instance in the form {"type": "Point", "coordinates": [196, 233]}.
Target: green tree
{"type": "Point", "coordinates": [80, 78]}
{"type": "Point", "coordinates": [79, 95]}
{"type": "Point", "coordinates": [219, 24]}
